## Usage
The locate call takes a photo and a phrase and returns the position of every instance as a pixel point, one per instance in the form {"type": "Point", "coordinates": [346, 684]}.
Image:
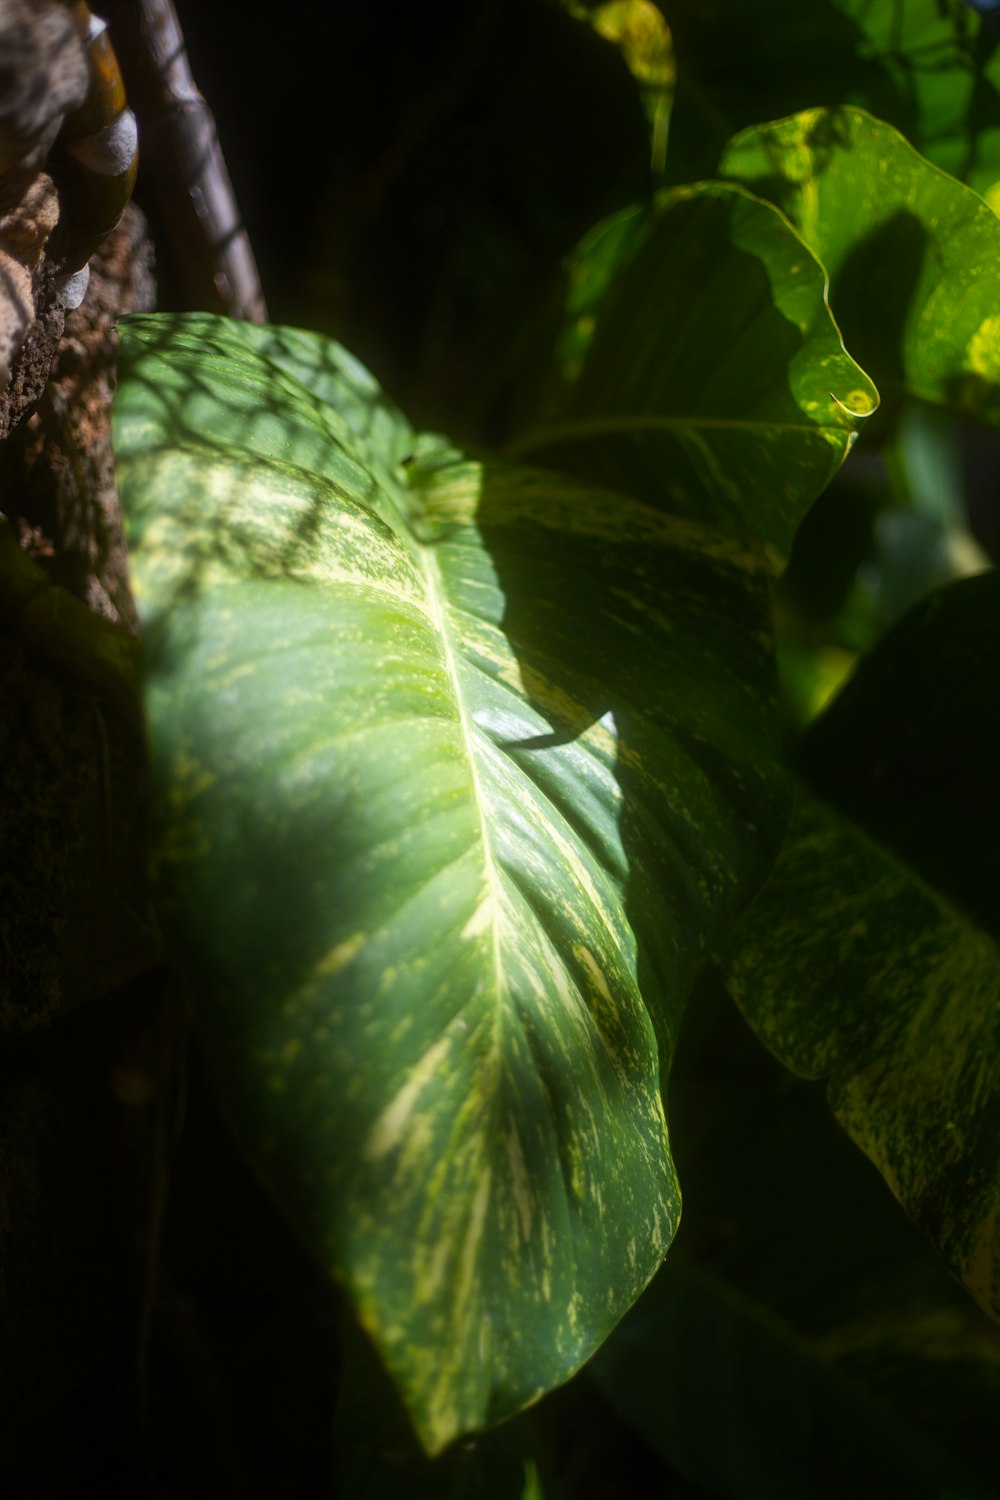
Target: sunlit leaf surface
{"type": "Point", "coordinates": [913, 256]}
{"type": "Point", "coordinates": [460, 769]}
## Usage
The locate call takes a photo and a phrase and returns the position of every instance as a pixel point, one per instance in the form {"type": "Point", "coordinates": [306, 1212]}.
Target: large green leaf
{"type": "Point", "coordinates": [913, 256]}
{"type": "Point", "coordinates": [870, 958]}
{"type": "Point", "coordinates": [699, 366]}
{"type": "Point", "coordinates": [460, 769]}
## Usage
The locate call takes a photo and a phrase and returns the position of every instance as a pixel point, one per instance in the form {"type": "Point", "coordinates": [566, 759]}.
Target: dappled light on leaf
{"type": "Point", "coordinates": [460, 770]}
{"type": "Point", "coordinates": [913, 256]}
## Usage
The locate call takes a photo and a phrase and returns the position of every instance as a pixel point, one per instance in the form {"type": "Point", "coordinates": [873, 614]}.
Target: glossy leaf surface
{"type": "Point", "coordinates": [460, 769]}
{"type": "Point", "coordinates": [913, 256]}
{"type": "Point", "coordinates": [699, 366]}
{"type": "Point", "coordinates": [870, 958]}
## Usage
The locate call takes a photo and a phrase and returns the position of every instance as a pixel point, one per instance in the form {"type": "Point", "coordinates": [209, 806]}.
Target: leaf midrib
{"type": "Point", "coordinates": [438, 613]}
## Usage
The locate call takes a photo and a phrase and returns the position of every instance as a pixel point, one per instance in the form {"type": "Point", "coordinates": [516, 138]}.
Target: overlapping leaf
{"type": "Point", "coordinates": [913, 256]}
{"type": "Point", "coordinates": [871, 957]}
{"type": "Point", "coordinates": [699, 366]}
{"type": "Point", "coordinates": [460, 768]}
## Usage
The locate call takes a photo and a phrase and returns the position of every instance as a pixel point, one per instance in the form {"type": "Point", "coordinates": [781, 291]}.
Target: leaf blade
{"type": "Point", "coordinates": [414, 846]}
{"type": "Point", "coordinates": [700, 366]}
{"type": "Point", "coordinates": [912, 254]}
{"type": "Point", "coordinates": [870, 958]}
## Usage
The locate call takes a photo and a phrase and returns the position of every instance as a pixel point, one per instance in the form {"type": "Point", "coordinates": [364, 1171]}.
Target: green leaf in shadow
{"type": "Point", "coordinates": [735, 1400]}
{"type": "Point", "coordinates": [699, 368]}
{"type": "Point", "coordinates": [798, 1224]}
{"type": "Point", "coordinates": [870, 958]}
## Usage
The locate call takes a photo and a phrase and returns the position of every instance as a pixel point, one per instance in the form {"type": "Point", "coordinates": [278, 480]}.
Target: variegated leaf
{"type": "Point", "coordinates": [913, 255]}
{"type": "Point", "coordinates": [699, 368]}
{"type": "Point", "coordinates": [460, 769]}
{"type": "Point", "coordinates": [871, 956]}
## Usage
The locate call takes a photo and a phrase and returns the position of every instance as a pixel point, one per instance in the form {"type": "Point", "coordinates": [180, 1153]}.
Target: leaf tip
{"type": "Point", "coordinates": [858, 403]}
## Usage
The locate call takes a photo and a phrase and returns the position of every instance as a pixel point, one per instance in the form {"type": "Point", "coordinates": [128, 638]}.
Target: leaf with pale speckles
{"type": "Point", "coordinates": [699, 368]}
{"type": "Point", "coordinates": [871, 956]}
{"type": "Point", "coordinates": [460, 769]}
{"type": "Point", "coordinates": [913, 255]}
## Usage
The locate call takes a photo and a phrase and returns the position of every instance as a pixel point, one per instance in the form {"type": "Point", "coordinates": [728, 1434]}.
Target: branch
{"type": "Point", "coordinates": [196, 141]}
